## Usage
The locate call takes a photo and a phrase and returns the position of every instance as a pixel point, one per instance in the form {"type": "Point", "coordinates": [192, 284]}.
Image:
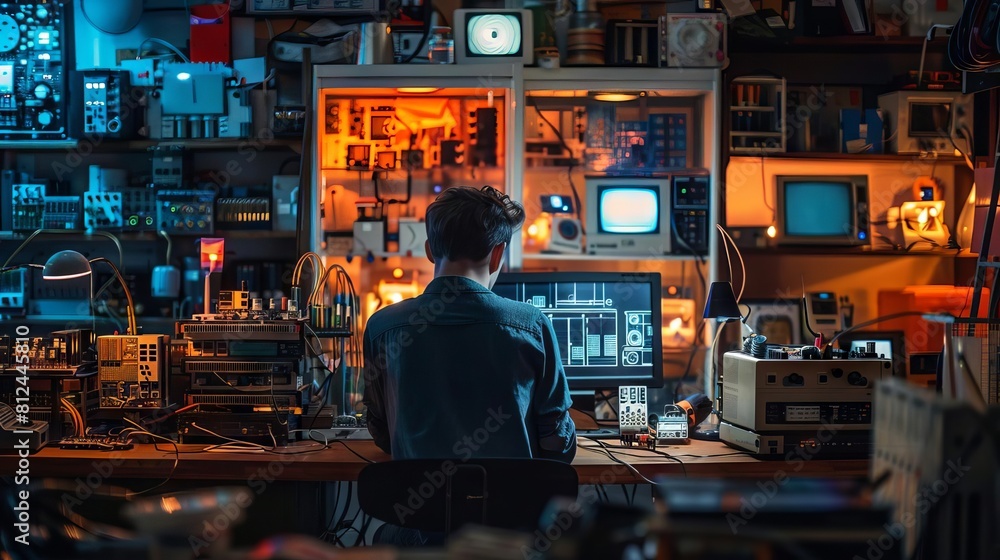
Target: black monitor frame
{"type": "Point", "coordinates": [586, 379]}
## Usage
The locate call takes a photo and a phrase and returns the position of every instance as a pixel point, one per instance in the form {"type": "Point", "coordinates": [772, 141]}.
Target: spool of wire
{"type": "Point", "coordinates": [758, 346]}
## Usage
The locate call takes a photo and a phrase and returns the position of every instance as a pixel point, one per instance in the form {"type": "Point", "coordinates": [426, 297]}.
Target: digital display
{"type": "Point", "coordinates": [607, 325]}
{"type": "Point", "coordinates": [818, 208]}
{"type": "Point", "coordinates": [626, 209]}
{"type": "Point", "coordinates": [802, 414]}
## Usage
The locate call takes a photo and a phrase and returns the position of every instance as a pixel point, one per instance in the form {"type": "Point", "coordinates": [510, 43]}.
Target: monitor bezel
{"type": "Point", "coordinates": [653, 279]}
{"type": "Point", "coordinates": [856, 183]}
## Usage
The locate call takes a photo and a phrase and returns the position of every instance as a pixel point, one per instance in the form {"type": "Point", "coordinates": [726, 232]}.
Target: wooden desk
{"type": "Point", "coordinates": [339, 463]}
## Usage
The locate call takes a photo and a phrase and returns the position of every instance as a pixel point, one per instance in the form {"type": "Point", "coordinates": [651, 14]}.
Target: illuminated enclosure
{"type": "Point", "coordinates": [388, 140]}
{"type": "Point", "coordinates": [632, 152]}
{"type": "Point", "coordinates": [621, 167]}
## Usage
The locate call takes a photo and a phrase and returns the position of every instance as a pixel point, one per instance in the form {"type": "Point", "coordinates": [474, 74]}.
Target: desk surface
{"type": "Point", "coordinates": [343, 460]}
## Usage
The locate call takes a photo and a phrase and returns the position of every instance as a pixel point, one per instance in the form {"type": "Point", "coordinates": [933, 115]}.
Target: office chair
{"type": "Point", "coordinates": [439, 496]}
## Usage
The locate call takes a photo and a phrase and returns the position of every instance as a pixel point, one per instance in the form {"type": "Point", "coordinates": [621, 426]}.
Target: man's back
{"type": "Point", "coordinates": [461, 372]}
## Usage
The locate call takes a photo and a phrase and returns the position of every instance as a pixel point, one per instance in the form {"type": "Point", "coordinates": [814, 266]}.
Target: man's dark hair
{"type": "Point", "coordinates": [465, 223]}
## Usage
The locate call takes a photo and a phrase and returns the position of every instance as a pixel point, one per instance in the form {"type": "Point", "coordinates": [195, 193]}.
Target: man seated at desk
{"type": "Point", "coordinates": [460, 372]}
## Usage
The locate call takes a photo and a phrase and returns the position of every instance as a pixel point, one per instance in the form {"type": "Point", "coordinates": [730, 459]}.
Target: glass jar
{"type": "Point", "coordinates": [441, 46]}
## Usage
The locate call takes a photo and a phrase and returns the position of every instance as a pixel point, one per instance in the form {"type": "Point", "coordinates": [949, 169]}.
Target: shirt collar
{"type": "Point", "coordinates": [443, 284]}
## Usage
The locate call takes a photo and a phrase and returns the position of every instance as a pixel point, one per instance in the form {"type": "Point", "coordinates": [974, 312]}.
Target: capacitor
{"type": "Point", "coordinates": [257, 304]}
{"type": "Point", "coordinates": [273, 305]}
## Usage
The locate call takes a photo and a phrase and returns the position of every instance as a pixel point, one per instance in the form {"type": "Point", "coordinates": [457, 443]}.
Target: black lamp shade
{"type": "Point", "coordinates": [65, 265]}
{"type": "Point", "coordinates": [721, 303]}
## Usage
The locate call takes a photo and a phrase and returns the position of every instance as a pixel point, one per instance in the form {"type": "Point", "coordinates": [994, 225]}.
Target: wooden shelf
{"type": "Point", "coordinates": [854, 252]}
{"type": "Point", "coordinates": [109, 145]}
{"type": "Point", "coordinates": [839, 44]}
{"type": "Point", "coordinates": [152, 236]}
{"type": "Point", "coordinates": [750, 108]}
{"type": "Point", "coordinates": [768, 134]}
{"type": "Point", "coordinates": [592, 258]}
{"type": "Point", "coordinates": [867, 157]}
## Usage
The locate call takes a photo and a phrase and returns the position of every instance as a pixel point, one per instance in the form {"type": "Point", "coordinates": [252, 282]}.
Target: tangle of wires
{"type": "Point", "coordinates": [974, 44]}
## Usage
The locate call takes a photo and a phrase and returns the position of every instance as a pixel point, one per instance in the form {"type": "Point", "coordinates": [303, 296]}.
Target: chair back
{"type": "Point", "coordinates": [441, 495]}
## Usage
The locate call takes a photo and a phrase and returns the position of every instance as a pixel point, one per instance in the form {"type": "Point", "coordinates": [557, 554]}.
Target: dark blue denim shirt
{"type": "Point", "coordinates": [460, 372]}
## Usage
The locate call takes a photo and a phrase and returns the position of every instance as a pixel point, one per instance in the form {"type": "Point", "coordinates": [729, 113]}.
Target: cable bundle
{"type": "Point", "coordinates": [974, 45]}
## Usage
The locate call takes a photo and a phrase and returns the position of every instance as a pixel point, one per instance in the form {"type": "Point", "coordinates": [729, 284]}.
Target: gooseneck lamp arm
{"type": "Point", "coordinates": [130, 307]}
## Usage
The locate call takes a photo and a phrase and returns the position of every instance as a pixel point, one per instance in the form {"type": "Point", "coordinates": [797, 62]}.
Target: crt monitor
{"type": "Point", "coordinates": [823, 210]}
{"type": "Point", "coordinates": [607, 324]}
{"type": "Point", "coordinates": [628, 215]}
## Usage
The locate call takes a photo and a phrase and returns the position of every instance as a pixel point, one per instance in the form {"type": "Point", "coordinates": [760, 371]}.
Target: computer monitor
{"type": "Point", "coordinates": [607, 324]}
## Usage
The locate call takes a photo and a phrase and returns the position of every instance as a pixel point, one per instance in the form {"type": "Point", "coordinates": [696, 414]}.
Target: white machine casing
{"type": "Point", "coordinates": [762, 394]}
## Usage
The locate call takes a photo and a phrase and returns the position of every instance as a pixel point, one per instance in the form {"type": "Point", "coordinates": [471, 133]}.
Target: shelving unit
{"type": "Point", "coordinates": [564, 97]}
{"type": "Point", "coordinates": [757, 115]}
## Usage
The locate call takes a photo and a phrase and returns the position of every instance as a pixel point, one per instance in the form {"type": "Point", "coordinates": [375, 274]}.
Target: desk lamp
{"type": "Point", "coordinates": [66, 265]}
{"type": "Point", "coordinates": [721, 306]}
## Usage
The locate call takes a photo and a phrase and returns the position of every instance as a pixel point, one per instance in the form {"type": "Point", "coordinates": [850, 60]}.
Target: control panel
{"type": "Point", "coordinates": [33, 84]}
{"type": "Point", "coordinates": [690, 212]}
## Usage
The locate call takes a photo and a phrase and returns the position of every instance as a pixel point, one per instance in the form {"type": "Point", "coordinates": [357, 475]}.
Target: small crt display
{"type": "Point", "coordinates": [494, 35]}
{"type": "Point", "coordinates": [629, 210]}
{"type": "Point", "coordinates": [818, 209]}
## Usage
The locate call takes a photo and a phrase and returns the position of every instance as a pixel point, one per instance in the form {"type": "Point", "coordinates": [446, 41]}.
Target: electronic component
{"type": "Point", "coordinates": [168, 166]}
{"type": "Point", "coordinates": [486, 137]}
{"type": "Point", "coordinates": [36, 433]}
{"type": "Point", "coordinates": [95, 443]}
{"type": "Point", "coordinates": [672, 426]}
{"type": "Point", "coordinates": [779, 404]}
{"type": "Point", "coordinates": [633, 42]}
{"type": "Point", "coordinates": [33, 86]}
{"type": "Point", "coordinates": [266, 428]}
{"type": "Point", "coordinates": [605, 324]}
{"type": "Point", "coordinates": [106, 105]}
{"type": "Point", "coordinates": [412, 236]}
{"type": "Point", "coordinates": [284, 206]}
{"type": "Point", "coordinates": [102, 210]}
{"type": "Point", "coordinates": [50, 391]}
{"type": "Point", "coordinates": [242, 356]}
{"type": "Point", "coordinates": [62, 212]}
{"type": "Point", "coordinates": [927, 121]}
{"type": "Point", "coordinates": [131, 370]}
{"type": "Point", "coordinates": [185, 212]}
{"type": "Point", "coordinates": [693, 40]}
{"type": "Point", "coordinates": [566, 236]}
{"type": "Point", "coordinates": [243, 375]}
{"type": "Point", "coordinates": [498, 35]}
{"type": "Point", "coordinates": [690, 207]}
{"type": "Point", "coordinates": [648, 216]}
{"type": "Point", "coordinates": [28, 207]}
{"type": "Point", "coordinates": [632, 408]}
{"type": "Point", "coordinates": [138, 209]}
{"type": "Point", "coordinates": [250, 212]}
{"type": "Point", "coordinates": [823, 309]}
{"type": "Point", "coordinates": [823, 210]}
{"type": "Point", "coordinates": [13, 288]}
